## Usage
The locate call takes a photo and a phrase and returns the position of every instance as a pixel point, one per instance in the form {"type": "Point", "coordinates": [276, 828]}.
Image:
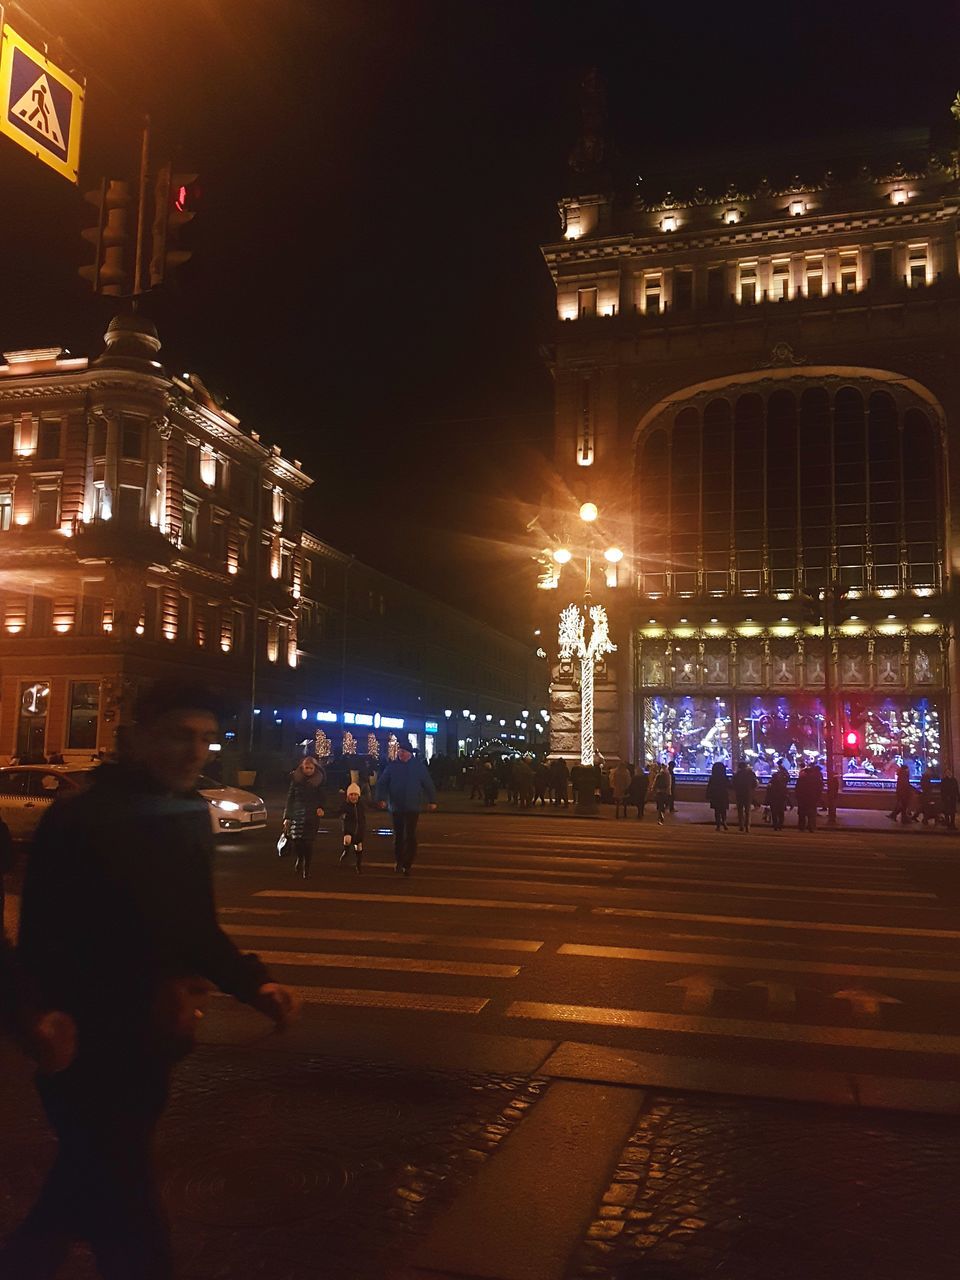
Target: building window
{"type": "Point", "coordinates": [84, 707]}
{"type": "Point", "coordinates": [814, 273]}
{"type": "Point", "coordinates": [49, 446]}
{"type": "Point", "coordinates": [780, 280]}
{"type": "Point", "coordinates": [243, 546]}
{"type": "Point", "coordinates": [747, 283]}
{"type": "Point", "coordinates": [131, 440]}
{"type": "Point", "coordinates": [716, 286]}
{"type": "Point", "coordinates": [191, 511]}
{"type": "Point", "coordinates": [101, 505]}
{"type": "Point", "coordinates": [585, 434]}
{"type": "Point", "coordinates": [883, 267]}
{"type": "Point", "coordinates": [917, 266]}
{"type": "Point", "coordinates": [306, 571]}
{"type": "Point", "coordinates": [129, 505]}
{"type": "Point", "coordinates": [6, 441]}
{"type": "Point", "coordinates": [6, 509]}
{"type": "Point", "coordinates": [99, 438]}
{"type": "Point", "coordinates": [218, 541]}
{"type": "Point", "coordinates": [653, 294]}
{"type": "Point", "coordinates": [586, 302]}
{"type": "Point", "coordinates": [46, 506]}
{"type": "Point", "coordinates": [683, 290]}
{"type": "Point", "coordinates": [849, 268]}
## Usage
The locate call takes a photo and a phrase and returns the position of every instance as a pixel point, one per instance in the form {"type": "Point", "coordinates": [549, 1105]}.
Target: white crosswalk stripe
{"type": "Point", "coordinates": [732, 975]}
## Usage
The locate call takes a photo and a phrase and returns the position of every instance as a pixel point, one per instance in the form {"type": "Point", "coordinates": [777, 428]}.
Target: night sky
{"type": "Point", "coordinates": [377, 176]}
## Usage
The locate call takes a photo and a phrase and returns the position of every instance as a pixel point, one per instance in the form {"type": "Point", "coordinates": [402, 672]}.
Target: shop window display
{"type": "Point", "coordinates": [886, 733]}
{"type": "Point", "coordinates": [694, 731]}
{"type": "Point", "coordinates": [771, 729]}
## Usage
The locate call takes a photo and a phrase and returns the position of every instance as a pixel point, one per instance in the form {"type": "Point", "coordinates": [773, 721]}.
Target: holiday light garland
{"type": "Point", "coordinates": [573, 643]}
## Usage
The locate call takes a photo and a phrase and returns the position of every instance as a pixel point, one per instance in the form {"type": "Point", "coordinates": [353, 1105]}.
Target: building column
{"type": "Point", "coordinates": [112, 459]}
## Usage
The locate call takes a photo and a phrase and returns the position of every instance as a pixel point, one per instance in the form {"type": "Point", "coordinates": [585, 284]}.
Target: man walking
{"type": "Point", "coordinates": [809, 791]}
{"type": "Point", "coordinates": [118, 941]}
{"type": "Point", "coordinates": [403, 785]}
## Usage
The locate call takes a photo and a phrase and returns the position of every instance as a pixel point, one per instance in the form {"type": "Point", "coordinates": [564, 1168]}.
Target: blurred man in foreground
{"type": "Point", "coordinates": [118, 944]}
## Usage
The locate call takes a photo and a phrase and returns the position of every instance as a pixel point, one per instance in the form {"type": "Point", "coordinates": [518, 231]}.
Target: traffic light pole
{"type": "Point", "coordinates": [141, 209]}
{"type": "Point", "coordinates": [828, 706]}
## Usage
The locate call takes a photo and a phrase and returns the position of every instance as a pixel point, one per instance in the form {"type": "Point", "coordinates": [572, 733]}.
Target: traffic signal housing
{"type": "Point", "coordinates": [173, 200]}
{"type": "Point", "coordinates": [109, 273]}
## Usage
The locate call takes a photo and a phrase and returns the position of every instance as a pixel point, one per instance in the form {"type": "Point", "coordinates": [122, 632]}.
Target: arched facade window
{"type": "Point", "coordinates": [791, 489]}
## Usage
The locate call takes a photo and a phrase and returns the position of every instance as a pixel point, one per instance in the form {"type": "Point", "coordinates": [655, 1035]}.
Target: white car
{"type": "Point", "coordinates": [28, 790]}
{"type": "Point", "coordinates": [232, 809]}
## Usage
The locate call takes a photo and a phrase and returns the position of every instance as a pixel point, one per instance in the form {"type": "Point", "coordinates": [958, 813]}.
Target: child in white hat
{"type": "Point", "coordinates": [354, 825]}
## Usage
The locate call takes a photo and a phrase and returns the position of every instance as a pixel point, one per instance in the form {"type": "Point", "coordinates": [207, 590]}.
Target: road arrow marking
{"type": "Point", "coordinates": [699, 990]}
{"type": "Point", "coordinates": [781, 997]}
{"type": "Point", "coordinates": [865, 1004]}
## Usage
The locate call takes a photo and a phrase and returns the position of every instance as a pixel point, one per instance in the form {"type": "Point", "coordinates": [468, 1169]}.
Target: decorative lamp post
{"type": "Point", "coordinates": [574, 643]}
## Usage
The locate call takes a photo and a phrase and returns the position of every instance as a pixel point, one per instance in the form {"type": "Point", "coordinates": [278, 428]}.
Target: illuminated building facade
{"type": "Point", "coordinates": [758, 390]}
{"type": "Point", "coordinates": [145, 533]}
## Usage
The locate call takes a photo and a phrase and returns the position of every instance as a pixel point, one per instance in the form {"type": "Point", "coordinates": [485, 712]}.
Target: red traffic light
{"type": "Point", "coordinates": [851, 739]}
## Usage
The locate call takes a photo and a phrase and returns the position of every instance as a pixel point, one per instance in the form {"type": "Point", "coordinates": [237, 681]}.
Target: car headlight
{"type": "Point", "coordinates": [228, 806]}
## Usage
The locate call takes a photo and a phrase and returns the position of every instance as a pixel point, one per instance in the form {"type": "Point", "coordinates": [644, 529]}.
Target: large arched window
{"type": "Point", "coordinates": [791, 488]}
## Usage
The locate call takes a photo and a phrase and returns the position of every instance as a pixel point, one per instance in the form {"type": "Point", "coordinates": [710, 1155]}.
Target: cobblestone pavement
{"type": "Point", "coordinates": [287, 1167]}
{"type": "Point", "coordinates": [762, 1191]}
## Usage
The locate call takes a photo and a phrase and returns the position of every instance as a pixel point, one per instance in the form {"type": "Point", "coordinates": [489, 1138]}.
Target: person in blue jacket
{"type": "Point", "coordinates": [404, 785]}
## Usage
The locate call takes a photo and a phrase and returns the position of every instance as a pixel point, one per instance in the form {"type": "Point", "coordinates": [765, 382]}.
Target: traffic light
{"type": "Point", "coordinates": [851, 740]}
{"type": "Point", "coordinates": [109, 272]}
{"type": "Point", "coordinates": [174, 196]}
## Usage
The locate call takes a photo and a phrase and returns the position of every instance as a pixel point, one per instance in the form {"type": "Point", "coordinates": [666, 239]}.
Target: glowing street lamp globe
{"type": "Point", "coordinates": [589, 512]}
{"type": "Point", "coordinates": [562, 555]}
{"type": "Point", "coordinates": [613, 555]}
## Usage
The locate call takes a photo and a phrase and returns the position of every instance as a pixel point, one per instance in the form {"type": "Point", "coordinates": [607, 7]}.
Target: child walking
{"type": "Point", "coordinates": [354, 826]}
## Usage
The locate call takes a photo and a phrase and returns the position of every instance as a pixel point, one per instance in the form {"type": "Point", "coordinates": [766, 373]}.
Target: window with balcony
{"type": "Point", "coordinates": [780, 279]}
{"type": "Point", "coordinates": [716, 286]}
{"type": "Point", "coordinates": [653, 294]}
{"type": "Point", "coordinates": [130, 505]}
{"type": "Point", "coordinates": [883, 267]}
{"type": "Point", "coordinates": [747, 283]}
{"type": "Point", "coordinates": [191, 517]}
{"type": "Point", "coordinates": [814, 277]}
{"type": "Point", "coordinates": [46, 505]}
{"type": "Point", "coordinates": [49, 444]}
{"type": "Point", "coordinates": [586, 302]}
{"type": "Point", "coordinates": [849, 270]}
{"type": "Point", "coordinates": [917, 266]}
{"type": "Point", "coordinates": [683, 289]}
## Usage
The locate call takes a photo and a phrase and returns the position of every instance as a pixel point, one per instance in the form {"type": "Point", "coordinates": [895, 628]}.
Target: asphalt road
{"type": "Point", "coordinates": [569, 1049]}
{"type": "Point", "coordinates": [823, 966]}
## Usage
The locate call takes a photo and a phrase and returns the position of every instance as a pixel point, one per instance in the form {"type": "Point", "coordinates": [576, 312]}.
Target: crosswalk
{"type": "Point", "coordinates": [688, 947]}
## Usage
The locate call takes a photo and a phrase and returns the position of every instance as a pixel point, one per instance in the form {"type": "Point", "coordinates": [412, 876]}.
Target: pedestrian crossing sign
{"type": "Point", "coordinates": [41, 107]}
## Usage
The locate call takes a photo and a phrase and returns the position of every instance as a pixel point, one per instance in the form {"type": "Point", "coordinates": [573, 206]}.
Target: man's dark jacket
{"type": "Point", "coordinates": [118, 898]}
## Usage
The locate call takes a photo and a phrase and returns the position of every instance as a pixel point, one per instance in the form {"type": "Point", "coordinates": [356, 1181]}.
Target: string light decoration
{"type": "Point", "coordinates": [574, 643]}
{"type": "Point", "coordinates": [349, 747]}
{"type": "Point", "coordinates": [322, 746]}
{"type": "Point", "coordinates": [393, 746]}
{"type": "Point", "coordinates": [373, 746]}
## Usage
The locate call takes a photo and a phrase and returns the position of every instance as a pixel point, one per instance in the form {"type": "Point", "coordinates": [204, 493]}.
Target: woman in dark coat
{"type": "Point", "coordinates": [718, 794]}
{"type": "Point", "coordinates": [302, 810]}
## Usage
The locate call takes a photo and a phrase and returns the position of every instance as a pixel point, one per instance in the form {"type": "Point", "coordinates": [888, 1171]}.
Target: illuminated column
{"type": "Point", "coordinates": [158, 433]}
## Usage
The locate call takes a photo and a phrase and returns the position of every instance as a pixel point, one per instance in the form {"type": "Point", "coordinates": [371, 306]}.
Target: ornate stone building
{"type": "Point", "coordinates": [143, 532]}
{"type": "Point", "coordinates": [757, 388]}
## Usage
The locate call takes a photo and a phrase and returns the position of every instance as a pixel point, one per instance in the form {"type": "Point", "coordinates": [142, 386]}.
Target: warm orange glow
{"type": "Point", "coordinates": [589, 512]}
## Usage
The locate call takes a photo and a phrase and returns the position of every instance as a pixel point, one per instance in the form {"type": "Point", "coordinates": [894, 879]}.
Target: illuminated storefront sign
{"type": "Point", "coordinates": [431, 726]}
